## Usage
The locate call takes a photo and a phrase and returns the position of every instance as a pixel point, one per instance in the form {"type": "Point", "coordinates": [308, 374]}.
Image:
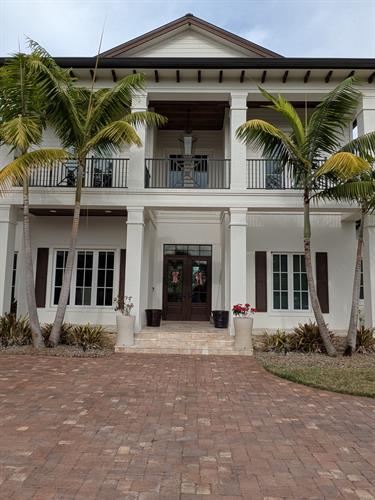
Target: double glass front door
{"type": "Point", "coordinates": [187, 288]}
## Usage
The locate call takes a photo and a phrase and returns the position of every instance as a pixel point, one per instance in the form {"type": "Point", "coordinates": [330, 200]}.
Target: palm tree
{"type": "Point", "coordinates": [92, 122]}
{"type": "Point", "coordinates": [361, 191]}
{"type": "Point", "coordinates": [301, 152]}
{"type": "Point", "coordinates": [22, 121]}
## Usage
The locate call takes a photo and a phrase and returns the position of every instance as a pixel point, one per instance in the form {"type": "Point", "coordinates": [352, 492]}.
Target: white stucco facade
{"type": "Point", "coordinates": [232, 212]}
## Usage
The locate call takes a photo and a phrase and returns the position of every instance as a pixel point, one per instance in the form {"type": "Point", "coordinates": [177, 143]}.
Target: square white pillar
{"type": "Point", "coordinates": [8, 221]}
{"type": "Point", "coordinates": [369, 270]}
{"type": "Point", "coordinates": [137, 154]}
{"type": "Point", "coordinates": [238, 270]}
{"type": "Point", "coordinates": [366, 115]}
{"type": "Point", "coordinates": [238, 115]}
{"type": "Point", "coordinates": [134, 261]}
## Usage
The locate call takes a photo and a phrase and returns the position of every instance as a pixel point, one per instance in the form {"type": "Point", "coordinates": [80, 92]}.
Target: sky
{"type": "Point", "coordinates": [293, 28]}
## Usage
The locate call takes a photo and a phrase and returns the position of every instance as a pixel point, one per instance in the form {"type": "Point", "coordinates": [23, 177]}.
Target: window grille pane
{"type": "Point", "coordinates": [280, 281]}
{"type": "Point", "coordinates": [61, 257]}
{"type": "Point", "coordinates": [104, 294]}
{"type": "Point", "coordinates": [300, 287]}
{"type": "Point", "coordinates": [84, 277]}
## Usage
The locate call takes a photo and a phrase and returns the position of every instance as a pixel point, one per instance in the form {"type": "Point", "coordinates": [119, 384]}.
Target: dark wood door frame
{"type": "Point", "coordinates": [187, 310]}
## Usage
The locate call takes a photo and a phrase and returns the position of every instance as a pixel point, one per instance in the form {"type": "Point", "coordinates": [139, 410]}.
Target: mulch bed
{"type": "Point", "coordinates": [66, 351]}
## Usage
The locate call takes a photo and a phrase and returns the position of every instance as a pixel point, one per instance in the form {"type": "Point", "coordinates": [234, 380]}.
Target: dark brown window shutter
{"type": "Point", "coordinates": [41, 277]}
{"type": "Point", "coordinates": [261, 281]}
{"type": "Point", "coordinates": [121, 287]}
{"type": "Point", "coordinates": [322, 280]}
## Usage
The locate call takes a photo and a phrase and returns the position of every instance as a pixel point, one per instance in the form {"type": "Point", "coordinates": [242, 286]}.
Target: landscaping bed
{"type": "Point", "coordinates": [354, 375]}
{"type": "Point", "coordinates": [61, 350]}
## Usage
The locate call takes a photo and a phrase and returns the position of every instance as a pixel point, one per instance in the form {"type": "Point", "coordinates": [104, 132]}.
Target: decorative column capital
{"type": "Point", "coordinates": [135, 215]}
{"type": "Point", "coordinates": [238, 100]}
{"type": "Point", "coordinates": [238, 217]}
{"type": "Point", "coordinates": [140, 102]}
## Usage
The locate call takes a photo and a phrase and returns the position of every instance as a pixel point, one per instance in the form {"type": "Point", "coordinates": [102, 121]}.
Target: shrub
{"type": "Point", "coordinates": [87, 337]}
{"type": "Point", "coordinates": [14, 331]}
{"type": "Point", "coordinates": [276, 342]}
{"type": "Point", "coordinates": [66, 329]}
{"type": "Point", "coordinates": [306, 338]}
{"type": "Point", "coordinates": [365, 340]}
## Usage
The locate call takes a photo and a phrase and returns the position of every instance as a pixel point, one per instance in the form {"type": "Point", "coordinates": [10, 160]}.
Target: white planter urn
{"type": "Point", "coordinates": [125, 330]}
{"type": "Point", "coordinates": [243, 328]}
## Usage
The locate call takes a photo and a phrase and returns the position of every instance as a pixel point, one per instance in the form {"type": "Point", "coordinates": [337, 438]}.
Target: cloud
{"type": "Point", "coordinates": [258, 35]}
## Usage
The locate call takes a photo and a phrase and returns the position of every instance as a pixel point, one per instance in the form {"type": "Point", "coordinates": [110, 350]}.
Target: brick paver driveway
{"type": "Point", "coordinates": [174, 427]}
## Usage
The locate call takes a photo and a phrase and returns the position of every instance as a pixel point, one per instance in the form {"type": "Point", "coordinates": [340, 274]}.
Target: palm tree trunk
{"type": "Point", "coordinates": [324, 333]}
{"type": "Point", "coordinates": [351, 339]}
{"type": "Point", "coordinates": [65, 289]}
{"type": "Point", "coordinates": [38, 341]}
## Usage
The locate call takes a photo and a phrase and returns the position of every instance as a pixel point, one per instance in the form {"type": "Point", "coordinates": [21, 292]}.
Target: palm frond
{"type": "Point", "coordinates": [285, 108]}
{"type": "Point", "coordinates": [343, 165]}
{"type": "Point", "coordinates": [113, 137]}
{"type": "Point", "coordinates": [114, 103]}
{"type": "Point", "coordinates": [148, 118]}
{"type": "Point", "coordinates": [15, 171]}
{"type": "Point", "coordinates": [363, 145]}
{"type": "Point", "coordinates": [327, 123]}
{"type": "Point", "coordinates": [361, 192]}
{"type": "Point", "coordinates": [21, 132]}
{"type": "Point", "coordinates": [273, 142]}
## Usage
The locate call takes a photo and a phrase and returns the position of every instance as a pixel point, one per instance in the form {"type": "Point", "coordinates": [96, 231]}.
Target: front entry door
{"type": "Point", "coordinates": [187, 288]}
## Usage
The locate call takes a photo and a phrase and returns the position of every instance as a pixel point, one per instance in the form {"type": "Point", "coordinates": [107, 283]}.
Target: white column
{"type": "Point", "coordinates": [238, 113]}
{"type": "Point", "coordinates": [8, 222]}
{"type": "Point", "coordinates": [134, 261]}
{"type": "Point", "coordinates": [238, 270]}
{"type": "Point", "coordinates": [137, 155]}
{"type": "Point", "coordinates": [366, 115]}
{"type": "Point", "coordinates": [369, 270]}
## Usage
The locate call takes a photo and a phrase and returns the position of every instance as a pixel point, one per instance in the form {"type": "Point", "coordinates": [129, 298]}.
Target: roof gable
{"type": "Point", "coordinates": [194, 36]}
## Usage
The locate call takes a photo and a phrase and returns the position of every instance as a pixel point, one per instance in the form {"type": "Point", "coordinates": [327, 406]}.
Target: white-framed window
{"type": "Point", "coordinates": [289, 282]}
{"type": "Point", "coordinates": [92, 278]}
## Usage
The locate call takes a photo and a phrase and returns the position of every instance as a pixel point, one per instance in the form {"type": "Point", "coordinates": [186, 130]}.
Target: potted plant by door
{"type": "Point", "coordinates": [153, 317]}
{"type": "Point", "coordinates": [243, 325]}
{"type": "Point", "coordinates": [221, 318]}
{"type": "Point", "coordinates": [124, 321]}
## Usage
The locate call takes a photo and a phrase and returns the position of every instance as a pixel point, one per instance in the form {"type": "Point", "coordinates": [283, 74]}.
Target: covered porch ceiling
{"type": "Point", "coordinates": [191, 115]}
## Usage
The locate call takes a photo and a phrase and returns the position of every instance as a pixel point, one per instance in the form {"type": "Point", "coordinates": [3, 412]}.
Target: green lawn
{"type": "Point", "coordinates": [354, 376]}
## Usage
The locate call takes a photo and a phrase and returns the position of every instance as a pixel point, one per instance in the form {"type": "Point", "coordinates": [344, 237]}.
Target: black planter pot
{"type": "Point", "coordinates": [221, 319]}
{"type": "Point", "coordinates": [153, 317]}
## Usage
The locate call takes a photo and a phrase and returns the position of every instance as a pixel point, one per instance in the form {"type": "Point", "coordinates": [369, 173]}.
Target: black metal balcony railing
{"type": "Point", "coordinates": [269, 174]}
{"type": "Point", "coordinates": [99, 173]}
{"type": "Point", "coordinates": [194, 173]}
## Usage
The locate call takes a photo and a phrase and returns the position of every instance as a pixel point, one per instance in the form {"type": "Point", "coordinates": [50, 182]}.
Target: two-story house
{"type": "Point", "coordinates": [193, 220]}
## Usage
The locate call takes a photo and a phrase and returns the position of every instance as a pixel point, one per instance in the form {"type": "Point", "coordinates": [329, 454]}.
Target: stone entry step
{"type": "Point", "coordinates": [184, 338]}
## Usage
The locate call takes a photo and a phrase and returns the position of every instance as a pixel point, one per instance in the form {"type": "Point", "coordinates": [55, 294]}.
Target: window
{"type": "Point", "coordinates": [104, 290]}
{"type": "Point", "coordinates": [361, 286]}
{"type": "Point", "coordinates": [92, 279]}
{"type": "Point", "coordinates": [289, 282]}
{"type": "Point", "coordinates": [181, 176]}
{"type": "Point", "coordinates": [355, 129]}
{"type": "Point", "coordinates": [274, 175]}
{"type": "Point", "coordinates": [194, 250]}
{"type": "Point", "coordinates": [13, 301]}
{"type": "Point", "coordinates": [85, 261]}
{"type": "Point", "coordinates": [280, 281]}
{"type": "Point", "coordinates": [300, 288]}
{"type": "Point", "coordinates": [60, 263]}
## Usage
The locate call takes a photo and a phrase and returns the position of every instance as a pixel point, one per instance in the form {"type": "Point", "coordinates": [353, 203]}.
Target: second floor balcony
{"type": "Point", "coordinates": [98, 173]}
{"type": "Point", "coordinates": [179, 172]}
